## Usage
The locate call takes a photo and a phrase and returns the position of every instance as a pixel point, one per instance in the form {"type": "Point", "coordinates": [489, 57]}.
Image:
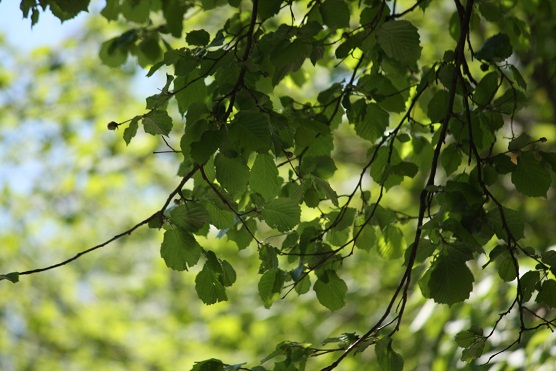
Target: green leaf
{"type": "Point", "coordinates": [337, 237]}
{"type": "Point", "coordinates": [241, 236]}
{"type": "Point", "coordinates": [209, 288]}
{"type": "Point", "coordinates": [303, 286]}
{"type": "Point", "coordinates": [530, 177]}
{"type": "Point", "coordinates": [335, 13]}
{"type": "Point", "coordinates": [173, 12]}
{"type": "Point", "coordinates": [437, 108]}
{"type": "Point", "coordinates": [149, 50]}
{"type": "Point", "coordinates": [111, 54]}
{"type": "Point", "coordinates": [195, 91]}
{"type": "Point", "coordinates": [450, 158]}
{"type": "Point", "coordinates": [450, 279]}
{"type": "Point", "coordinates": [282, 214]}
{"type": "Point", "coordinates": [268, 255]}
{"type": "Point", "coordinates": [374, 124]}
{"type": "Point", "coordinates": [506, 267]}
{"type": "Point", "coordinates": [221, 219]}
{"type": "Point", "coordinates": [383, 91]}
{"type": "Point", "coordinates": [466, 338]}
{"type": "Point", "coordinates": [197, 38]}
{"type": "Point", "coordinates": [209, 365]}
{"type": "Point", "coordinates": [191, 216]}
{"type": "Point", "coordinates": [496, 48]}
{"type": "Point", "coordinates": [547, 293]}
{"type": "Point", "coordinates": [549, 258]}
{"type": "Point", "coordinates": [179, 249]}
{"type": "Point", "coordinates": [111, 10]}
{"type": "Point", "coordinates": [521, 141]}
{"type": "Point", "coordinates": [405, 168]}
{"type": "Point", "coordinates": [366, 239]}
{"type": "Point", "coordinates": [68, 9]}
{"type": "Point", "coordinates": [136, 11]}
{"type": "Point", "coordinates": [486, 89]}
{"type": "Point", "coordinates": [342, 219]}
{"type": "Point", "coordinates": [268, 8]}
{"type": "Point", "coordinates": [474, 351]}
{"type": "Point", "coordinates": [264, 177]}
{"type": "Point", "coordinates": [229, 275]}
{"type": "Point", "coordinates": [324, 187]}
{"type": "Point", "coordinates": [251, 130]}
{"type": "Point", "coordinates": [513, 220]}
{"type": "Point", "coordinates": [232, 174]}
{"type": "Point", "coordinates": [529, 283]}
{"type": "Point", "coordinates": [204, 148]}
{"type": "Point", "coordinates": [381, 168]}
{"type": "Point", "coordinates": [13, 277]}
{"type": "Point", "coordinates": [550, 158]}
{"type": "Point", "coordinates": [386, 357]}
{"type": "Point", "coordinates": [518, 78]}
{"type": "Point", "coordinates": [131, 129]}
{"type": "Point", "coordinates": [331, 290]}
{"type": "Point", "coordinates": [157, 122]}
{"type": "Point", "coordinates": [399, 40]}
{"type": "Point", "coordinates": [271, 285]}
{"type": "Point", "coordinates": [391, 242]}
{"type": "Point", "coordinates": [288, 57]}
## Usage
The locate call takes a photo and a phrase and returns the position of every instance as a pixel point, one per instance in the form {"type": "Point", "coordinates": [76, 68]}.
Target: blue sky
{"type": "Point", "coordinates": [18, 30]}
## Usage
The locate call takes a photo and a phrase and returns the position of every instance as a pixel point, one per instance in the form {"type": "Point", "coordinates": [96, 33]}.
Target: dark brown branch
{"type": "Point", "coordinates": [424, 200]}
{"type": "Point", "coordinates": [158, 214]}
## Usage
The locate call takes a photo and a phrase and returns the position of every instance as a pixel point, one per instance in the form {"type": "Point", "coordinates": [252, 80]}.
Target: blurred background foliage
{"type": "Point", "coordinates": [67, 183]}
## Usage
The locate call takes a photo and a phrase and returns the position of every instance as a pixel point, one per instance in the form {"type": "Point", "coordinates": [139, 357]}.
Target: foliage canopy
{"type": "Point", "coordinates": [348, 149]}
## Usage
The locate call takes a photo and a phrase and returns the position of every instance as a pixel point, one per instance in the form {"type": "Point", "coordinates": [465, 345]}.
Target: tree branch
{"type": "Point", "coordinates": [159, 214]}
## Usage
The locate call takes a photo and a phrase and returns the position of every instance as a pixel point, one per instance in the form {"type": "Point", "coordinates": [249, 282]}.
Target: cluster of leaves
{"type": "Point", "coordinates": [257, 164]}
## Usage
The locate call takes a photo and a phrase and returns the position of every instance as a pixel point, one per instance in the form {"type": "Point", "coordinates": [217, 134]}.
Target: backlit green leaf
{"type": "Point", "coordinates": [232, 174]}
{"type": "Point", "coordinates": [268, 8]}
{"type": "Point", "coordinates": [131, 130]}
{"type": "Point", "coordinates": [179, 249]}
{"type": "Point", "coordinates": [190, 217]}
{"type": "Point", "coordinates": [220, 218]}
{"type": "Point", "coordinates": [513, 220]}
{"type": "Point", "coordinates": [437, 108]}
{"type": "Point", "coordinates": [450, 279]}
{"type": "Point", "coordinates": [387, 357]}
{"type": "Point", "coordinates": [518, 143]}
{"type": "Point", "coordinates": [157, 122]}
{"type": "Point", "coordinates": [251, 130]}
{"type": "Point", "coordinates": [531, 177]}
{"type": "Point", "coordinates": [547, 293]}
{"type": "Point", "coordinates": [450, 158]}
{"type": "Point", "coordinates": [331, 290]}
{"type": "Point", "coordinates": [391, 242]}
{"type": "Point", "coordinates": [529, 283]}
{"type": "Point", "coordinates": [270, 286]}
{"type": "Point", "coordinates": [209, 288]}
{"type": "Point", "coordinates": [264, 177]}
{"type": "Point", "coordinates": [374, 124]}
{"type": "Point", "coordinates": [399, 40]}
{"type": "Point", "coordinates": [485, 90]}
{"type": "Point", "coordinates": [281, 213]}
{"type": "Point", "coordinates": [335, 13]}
{"type": "Point", "coordinates": [506, 267]}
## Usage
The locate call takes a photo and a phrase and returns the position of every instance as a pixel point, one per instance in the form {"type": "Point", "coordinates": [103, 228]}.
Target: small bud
{"type": "Point", "coordinates": [112, 125]}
